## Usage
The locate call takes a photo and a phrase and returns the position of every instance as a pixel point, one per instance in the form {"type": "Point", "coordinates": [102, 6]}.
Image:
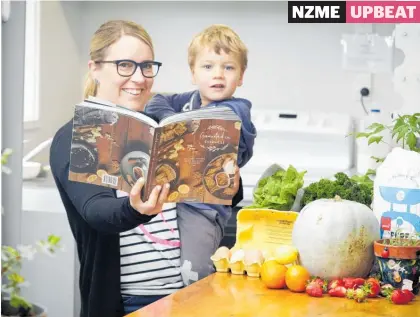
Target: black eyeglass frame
{"type": "Point", "coordinates": [141, 65]}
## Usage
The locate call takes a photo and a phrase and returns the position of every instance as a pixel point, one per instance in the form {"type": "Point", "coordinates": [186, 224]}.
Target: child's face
{"type": "Point", "coordinates": [216, 75]}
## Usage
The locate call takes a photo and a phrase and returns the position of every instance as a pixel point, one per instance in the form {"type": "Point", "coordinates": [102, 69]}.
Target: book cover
{"type": "Point", "coordinates": [109, 148]}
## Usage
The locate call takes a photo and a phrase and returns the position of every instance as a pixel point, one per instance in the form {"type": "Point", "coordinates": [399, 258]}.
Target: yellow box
{"type": "Point", "coordinates": [264, 229]}
{"type": "Point", "coordinates": [257, 229]}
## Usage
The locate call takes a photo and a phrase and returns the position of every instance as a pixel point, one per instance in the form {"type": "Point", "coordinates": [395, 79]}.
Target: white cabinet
{"type": "Point", "coordinates": [53, 280]}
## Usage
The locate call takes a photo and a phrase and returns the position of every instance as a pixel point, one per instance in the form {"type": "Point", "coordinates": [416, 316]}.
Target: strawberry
{"type": "Point", "coordinates": [409, 294]}
{"type": "Point", "coordinates": [360, 295]}
{"type": "Point", "coordinates": [314, 289]}
{"type": "Point", "coordinates": [323, 284]}
{"type": "Point", "coordinates": [373, 280]}
{"type": "Point", "coordinates": [335, 283]}
{"type": "Point", "coordinates": [350, 293]}
{"type": "Point", "coordinates": [348, 282]}
{"type": "Point", "coordinates": [372, 287]}
{"type": "Point", "coordinates": [386, 290]}
{"type": "Point", "coordinates": [358, 282]}
{"type": "Point", "coordinates": [339, 291]}
{"type": "Point", "coordinates": [351, 282]}
{"type": "Point", "coordinates": [398, 297]}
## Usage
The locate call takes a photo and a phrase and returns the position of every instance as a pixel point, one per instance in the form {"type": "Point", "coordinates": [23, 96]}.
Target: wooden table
{"type": "Point", "coordinates": [226, 295]}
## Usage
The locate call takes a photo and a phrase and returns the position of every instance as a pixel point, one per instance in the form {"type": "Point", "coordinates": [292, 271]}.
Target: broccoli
{"type": "Point", "coordinates": [356, 188]}
{"type": "Point", "coordinates": [341, 178]}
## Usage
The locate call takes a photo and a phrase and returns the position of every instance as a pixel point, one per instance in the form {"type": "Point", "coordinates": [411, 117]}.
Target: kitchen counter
{"type": "Point", "coordinates": [226, 295]}
{"type": "Point", "coordinates": [41, 194]}
{"type": "Point", "coordinates": [44, 181]}
{"type": "Point", "coordinates": [43, 213]}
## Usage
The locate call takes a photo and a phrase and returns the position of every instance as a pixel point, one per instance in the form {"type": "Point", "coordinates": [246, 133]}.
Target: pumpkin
{"type": "Point", "coordinates": [335, 238]}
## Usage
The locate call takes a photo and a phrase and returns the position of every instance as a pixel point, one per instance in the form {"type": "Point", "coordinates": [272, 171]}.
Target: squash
{"type": "Point", "coordinates": [335, 238]}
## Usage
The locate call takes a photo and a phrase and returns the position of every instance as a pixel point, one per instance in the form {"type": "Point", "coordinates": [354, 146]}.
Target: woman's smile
{"type": "Point", "coordinates": [133, 91]}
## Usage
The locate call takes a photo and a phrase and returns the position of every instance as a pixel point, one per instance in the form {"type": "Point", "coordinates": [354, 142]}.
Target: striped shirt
{"type": "Point", "coordinates": [151, 256]}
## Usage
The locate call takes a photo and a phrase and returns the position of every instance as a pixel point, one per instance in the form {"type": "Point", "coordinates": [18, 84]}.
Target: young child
{"type": "Point", "coordinates": [218, 59]}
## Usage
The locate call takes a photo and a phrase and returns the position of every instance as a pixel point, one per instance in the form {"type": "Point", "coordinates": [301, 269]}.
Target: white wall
{"type": "Point", "coordinates": [12, 59]}
{"type": "Point", "coordinates": [291, 66]}
{"type": "Point", "coordinates": [60, 79]}
{"type": "Point", "coordinates": [53, 281]}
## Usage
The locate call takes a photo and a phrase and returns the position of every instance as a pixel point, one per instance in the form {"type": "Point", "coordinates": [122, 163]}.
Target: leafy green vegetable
{"type": "Point", "coordinates": [356, 188]}
{"type": "Point", "coordinates": [279, 190]}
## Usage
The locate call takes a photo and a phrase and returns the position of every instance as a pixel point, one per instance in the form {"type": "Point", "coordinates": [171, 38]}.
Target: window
{"type": "Point", "coordinates": [31, 75]}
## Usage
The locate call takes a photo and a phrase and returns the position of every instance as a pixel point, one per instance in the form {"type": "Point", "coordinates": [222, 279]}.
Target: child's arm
{"type": "Point", "coordinates": [242, 108]}
{"type": "Point", "coordinates": [162, 106]}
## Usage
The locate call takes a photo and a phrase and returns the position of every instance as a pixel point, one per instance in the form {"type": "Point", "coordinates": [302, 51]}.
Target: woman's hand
{"type": "Point", "coordinates": [154, 204]}
{"type": "Point", "coordinates": [236, 180]}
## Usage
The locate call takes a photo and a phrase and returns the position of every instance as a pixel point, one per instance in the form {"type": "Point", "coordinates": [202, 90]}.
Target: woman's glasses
{"type": "Point", "coordinates": [127, 67]}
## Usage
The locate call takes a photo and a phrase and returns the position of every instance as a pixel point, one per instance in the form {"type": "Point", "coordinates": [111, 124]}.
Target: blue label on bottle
{"type": "Point", "coordinates": [404, 223]}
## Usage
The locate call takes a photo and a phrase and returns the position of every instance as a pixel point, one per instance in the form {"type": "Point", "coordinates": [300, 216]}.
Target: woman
{"type": "Point", "coordinates": [129, 255]}
{"type": "Point", "coordinates": [113, 266]}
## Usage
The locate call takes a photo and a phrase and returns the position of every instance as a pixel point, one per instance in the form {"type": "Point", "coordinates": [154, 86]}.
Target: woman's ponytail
{"type": "Point", "coordinates": [91, 87]}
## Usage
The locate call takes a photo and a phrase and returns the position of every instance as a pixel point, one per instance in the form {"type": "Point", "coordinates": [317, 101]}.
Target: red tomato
{"type": "Point", "coordinates": [385, 253]}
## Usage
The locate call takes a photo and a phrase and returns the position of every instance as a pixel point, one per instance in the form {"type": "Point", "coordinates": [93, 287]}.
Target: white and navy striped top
{"type": "Point", "coordinates": [150, 266]}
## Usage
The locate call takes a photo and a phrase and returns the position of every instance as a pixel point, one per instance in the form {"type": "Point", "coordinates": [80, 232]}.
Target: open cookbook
{"type": "Point", "coordinates": [195, 152]}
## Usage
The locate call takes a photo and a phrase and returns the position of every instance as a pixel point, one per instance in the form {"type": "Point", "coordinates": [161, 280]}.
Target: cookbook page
{"type": "Point", "coordinates": [198, 159]}
{"type": "Point", "coordinates": [109, 148]}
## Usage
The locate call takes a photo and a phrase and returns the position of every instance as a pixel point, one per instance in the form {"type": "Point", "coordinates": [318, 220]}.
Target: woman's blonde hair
{"type": "Point", "coordinates": [107, 34]}
{"type": "Point", "coordinates": [218, 37]}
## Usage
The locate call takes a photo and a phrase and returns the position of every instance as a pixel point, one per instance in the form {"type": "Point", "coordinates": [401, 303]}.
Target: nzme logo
{"type": "Point", "coordinates": [317, 11]}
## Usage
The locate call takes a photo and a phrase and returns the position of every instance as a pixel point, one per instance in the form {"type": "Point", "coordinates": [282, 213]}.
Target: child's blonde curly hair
{"type": "Point", "coordinates": [218, 37]}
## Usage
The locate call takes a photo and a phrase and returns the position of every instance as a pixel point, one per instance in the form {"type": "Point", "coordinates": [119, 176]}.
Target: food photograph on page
{"type": "Point", "coordinates": [198, 159]}
{"type": "Point", "coordinates": [109, 149]}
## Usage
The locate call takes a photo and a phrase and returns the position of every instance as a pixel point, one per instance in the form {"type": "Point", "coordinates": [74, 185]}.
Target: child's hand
{"type": "Point", "coordinates": [154, 204]}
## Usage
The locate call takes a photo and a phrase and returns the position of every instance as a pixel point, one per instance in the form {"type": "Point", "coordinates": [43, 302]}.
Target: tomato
{"type": "Point", "coordinates": [385, 253]}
